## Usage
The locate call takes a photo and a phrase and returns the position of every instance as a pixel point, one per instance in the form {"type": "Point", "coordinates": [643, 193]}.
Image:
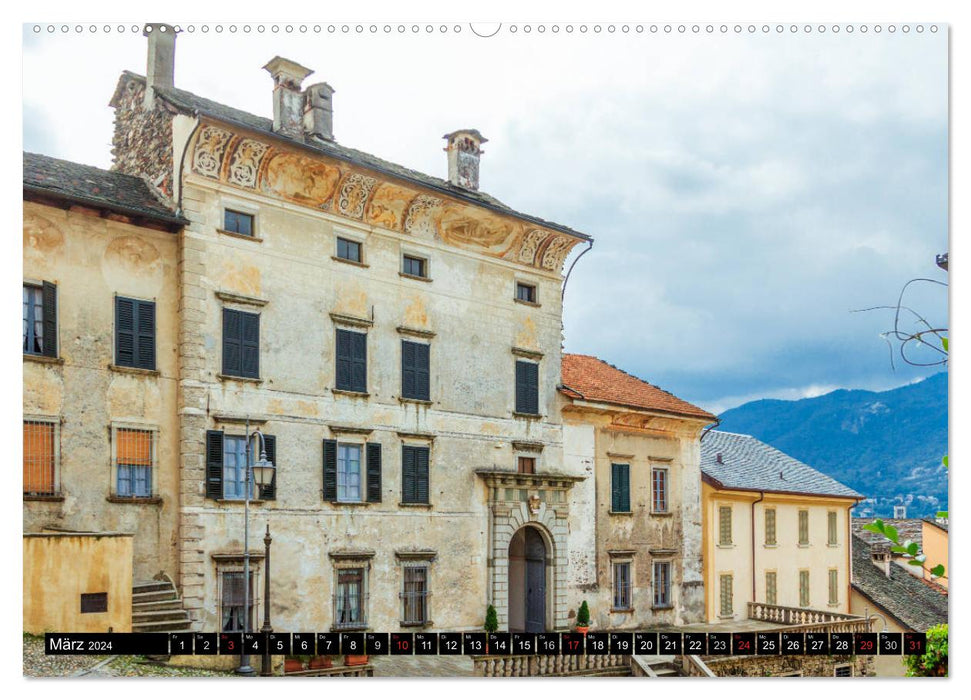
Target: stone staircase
{"type": "Point", "coordinates": [655, 666]}
{"type": "Point", "coordinates": [157, 607]}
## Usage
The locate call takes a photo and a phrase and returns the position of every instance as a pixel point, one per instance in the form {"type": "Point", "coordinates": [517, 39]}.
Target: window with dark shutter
{"type": "Point", "coordinates": [268, 492]}
{"type": "Point", "coordinates": [414, 370]}
{"type": "Point", "coordinates": [620, 488]}
{"type": "Point", "coordinates": [373, 472]}
{"type": "Point", "coordinates": [330, 470]}
{"type": "Point", "coordinates": [214, 464]}
{"type": "Point", "coordinates": [50, 320]}
{"type": "Point", "coordinates": [134, 333]}
{"type": "Point", "coordinates": [414, 474]}
{"type": "Point", "coordinates": [351, 361]}
{"type": "Point", "coordinates": [241, 344]}
{"type": "Point", "coordinates": [527, 387]}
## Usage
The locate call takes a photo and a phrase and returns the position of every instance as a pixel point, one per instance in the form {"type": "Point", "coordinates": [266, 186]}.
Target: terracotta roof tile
{"type": "Point", "coordinates": [592, 379]}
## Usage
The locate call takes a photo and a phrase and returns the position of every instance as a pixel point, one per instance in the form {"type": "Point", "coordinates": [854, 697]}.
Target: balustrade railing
{"type": "Point", "coordinates": [533, 665]}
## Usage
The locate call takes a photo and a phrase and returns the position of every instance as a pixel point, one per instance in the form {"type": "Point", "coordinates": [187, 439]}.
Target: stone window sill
{"type": "Point", "coordinates": [240, 501]}
{"type": "Point", "coordinates": [622, 610]}
{"type": "Point", "coordinates": [53, 497]}
{"type": "Point", "coordinates": [417, 625]}
{"type": "Point", "coordinates": [725, 546]}
{"type": "Point", "coordinates": [348, 503]}
{"type": "Point", "coordinates": [350, 392]}
{"type": "Point", "coordinates": [534, 304]}
{"type": "Point", "coordinates": [136, 500]}
{"type": "Point", "coordinates": [770, 546]}
{"type": "Point", "coordinates": [43, 359]}
{"type": "Point", "coordinates": [803, 545]}
{"type": "Point", "coordinates": [727, 617]}
{"type": "Point", "coordinates": [135, 370]}
{"type": "Point", "coordinates": [350, 628]}
{"type": "Point", "coordinates": [534, 416]}
{"type": "Point", "coordinates": [407, 399]}
{"type": "Point", "coordinates": [832, 605]}
{"type": "Point", "coordinates": [620, 512]}
{"type": "Point", "coordinates": [349, 262]}
{"type": "Point", "coordinates": [669, 606]}
{"type": "Point", "coordinates": [243, 236]}
{"type": "Point", "coordinates": [834, 545]}
{"type": "Point", "coordinates": [415, 505]}
{"type": "Point", "coordinates": [234, 378]}
{"type": "Point", "coordinates": [665, 514]}
{"type": "Point", "coordinates": [415, 277]}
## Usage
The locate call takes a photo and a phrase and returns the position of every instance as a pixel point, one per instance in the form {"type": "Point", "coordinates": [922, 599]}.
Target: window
{"type": "Point", "coordinates": [804, 588]}
{"type": "Point", "coordinates": [348, 250]}
{"type": "Point", "coordinates": [134, 458]}
{"type": "Point", "coordinates": [414, 370]}
{"type": "Point", "coordinates": [620, 488]}
{"type": "Point", "coordinates": [350, 599]}
{"type": "Point", "coordinates": [804, 527]}
{"type": "Point", "coordinates": [238, 222]}
{"type": "Point", "coordinates": [40, 319]}
{"type": "Point", "coordinates": [134, 333]}
{"type": "Point", "coordinates": [414, 266]}
{"type": "Point", "coordinates": [834, 591]}
{"type": "Point", "coordinates": [233, 601]}
{"type": "Point", "coordinates": [662, 584]}
{"type": "Point", "coordinates": [659, 490]}
{"type": "Point", "coordinates": [622, 586]}
{"type": "Point", "coordinates": [770, 526]}
{"type": "Point", "coordinates": [526, 465]}
{"type": "Point", "coordinates": [94, 603]}
{"type": "Point", "coordinates": [414, 474]}
{"type": "Point", "coordinates": [843, 671]}
{"type": "Point", "coordinates": [40, 459]}
{"type": "Point", "coordinates": [725, 525]}
{"type": "Point", "coordinates": [899, 512]}
{"type": "Point", "coordinates": [414, 595]}
{"type": "Point", "coordinates": [527, 387]}
{"type": "Point", "coordinates": [831, 527]}
{"type": "Point", "coordinates": [725, 595]}
{"type": "Point", "coordinates": [226, 466]}
{"type": "Point", "coordinates": [526, 292]}
{"type": "Point", "coordinates": [771, 593]}
{"type": "Point", "coordinates": [351, 361]}
{"type": "Point", "coordinates": [241, 344]}
{"type": "Point", "coordinates": [346, 479]}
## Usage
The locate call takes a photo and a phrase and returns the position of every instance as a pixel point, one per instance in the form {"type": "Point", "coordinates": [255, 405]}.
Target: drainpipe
{"type": "Point", "coordinates": [185, 148]}
{"type": "Point", "coordinates": [567, 278]}
{"type": "Point", "coordinates": [761, 498]}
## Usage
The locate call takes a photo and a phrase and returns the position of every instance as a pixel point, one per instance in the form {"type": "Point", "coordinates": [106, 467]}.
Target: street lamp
{"type": "Point", "coordinates": [267, 667]}
{"type": "Point", "coordinates": [262, 474]}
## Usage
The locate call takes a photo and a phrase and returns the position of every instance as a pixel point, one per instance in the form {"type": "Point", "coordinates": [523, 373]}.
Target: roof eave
{"type": "Point", "coordinates": [174, 222]}
{"type": "Point", "coordinates": [603, 404]}
{"type": "Point", "coordinates": [728, 487]}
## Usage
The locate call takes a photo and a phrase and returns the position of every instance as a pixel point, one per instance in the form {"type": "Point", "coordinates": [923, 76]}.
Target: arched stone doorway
{"type": "Point", "coordinates": [528, 562]}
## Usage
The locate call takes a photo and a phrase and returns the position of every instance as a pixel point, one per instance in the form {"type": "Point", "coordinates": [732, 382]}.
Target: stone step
{"type": "Point", "coordinates": [162, 626]}
{"type": "Point", "coordinates": [156, 605]}
{"type": "Point", "coordinates": [154, 615]}
{"type": "Point", "coordinates": [149, 586]}
{"type": "Point", "coordinates": [665, 671]}
{"type": "Point", "coordinates": [152, 596]}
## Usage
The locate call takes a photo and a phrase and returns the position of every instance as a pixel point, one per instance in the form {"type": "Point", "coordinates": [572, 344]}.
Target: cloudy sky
{"type": "Point", "coordinates": [746, 192]}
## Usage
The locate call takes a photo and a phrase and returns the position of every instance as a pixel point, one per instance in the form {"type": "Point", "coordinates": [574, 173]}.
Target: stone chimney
{"type": "Point", "coordinates": [287, 97]}
{"type": "Point", "coordinates": [463, 157]}
{"type": "Point", "coordinates": [318, 112]}
{"type": "Point", "coordinates": [881, 558]}
{"type": "Point", "coordinates": [161, 60]}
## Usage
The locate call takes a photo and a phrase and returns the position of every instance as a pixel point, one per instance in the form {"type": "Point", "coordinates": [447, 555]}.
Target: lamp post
{"type": "Point", "coordinates": [267, 667]}
{"type": "Point", "coordinates": [262, 474]}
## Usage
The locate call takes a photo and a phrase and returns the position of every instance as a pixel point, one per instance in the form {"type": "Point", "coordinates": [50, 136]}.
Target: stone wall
{"type": "Point", "coordinates": [142, 140]}
{"type": "Point", "coordinates": [815, 666]}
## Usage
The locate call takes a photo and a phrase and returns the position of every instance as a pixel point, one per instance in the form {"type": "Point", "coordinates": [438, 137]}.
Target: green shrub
{"type": "Point", "coordinates": [934, 661]}
{"type": "Point", "coordinates": [491, 621]}
{"type": "Point", "coordinates": [583, 615]}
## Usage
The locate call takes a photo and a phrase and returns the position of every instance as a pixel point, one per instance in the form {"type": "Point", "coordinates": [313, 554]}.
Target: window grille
{"type": "Point", "coordinates": [350, 600]}
{"type": "Point", "coordinates": [233, 605]}
{"type": "Point", "coordinates": [622, 586]}
{"type": "Point", "coordinates": [659, 492]}
{"type": "Point", "coordinates": [414, 595]}
{"type": "Point", "coordinates": [134, 452]}
{"type": "Point", "coordinates": [40, 468]}
{"type": "Point", "coordinates": [662, 583]}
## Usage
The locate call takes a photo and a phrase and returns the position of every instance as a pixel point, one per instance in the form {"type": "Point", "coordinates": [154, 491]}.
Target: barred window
{"type": "Point", "coordinates": [770, 526]}
{"type": "Point", "coordinates": [233, 601]}
{"type": "Point", "coordinates": [725, 525]}
{"type": "Point", "coordinates": [662, 584]}
{"type": "Point", "coordinates": [804, 589]}
{"type": "Point", "coordinates": [725, 595]}
{"type": "Point", "coordinates": [40, 462]}
{"type": "Point", "coordinates": [832, 528]}
{"type": "Point", "coordinates": [804, 527]}
{"type": "Point", "coordinates": [843, 671]}
{"type": "Point", "coordinates": [350, 599]}
{"type": "Point", "coordinates": [622, 586]}
{"type": "Point", "coordinates": [659, 490]}
{"type": "Point", "coordinates": [834, 591]}
{"type": "Point", "coordinates": [134, 452]}
{"type": "Point", "coordinates": [414, 595]}
{"type": "Point", "coordinates": [770, 588]}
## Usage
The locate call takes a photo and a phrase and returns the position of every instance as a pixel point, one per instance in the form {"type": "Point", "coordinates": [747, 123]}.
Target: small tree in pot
{"type": "Point", "coordinates": [583, 618]}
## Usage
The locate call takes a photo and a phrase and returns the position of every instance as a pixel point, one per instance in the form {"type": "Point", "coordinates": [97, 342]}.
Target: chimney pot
{"type": "Point", "coordinates": [464, 150]}
{"type": "Point", "coordinates": [160, 72]}
{"type": "Point", "coordinates": [318, 112]}
{"type": "Point", "coordinates": [287, 98]}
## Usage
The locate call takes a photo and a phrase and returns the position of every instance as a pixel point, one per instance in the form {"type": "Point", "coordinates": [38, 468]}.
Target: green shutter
{"type": "Point", "coordinates": [49, 309]}
{"type": "Point", "coordinates": [145, 334]}
{"type": "Point", "coordinates": [214, 464]}
{"type": "Point", "coordinates": [232, 345]}
{"type": "Point", "coordinates": [124, 332]}
{"type": "Point", "coordinates": [421, 470]}
{"type": "Point", "coordinates": [408, 389]}
{"type": "Point", "coordinates": [373, 472]}
{"type": "Point", "coordinates": [330, 470]}
{"type": "Point", "coordinates": [620, 488]}
{"type": "Point", "coordinates": [409, 475]}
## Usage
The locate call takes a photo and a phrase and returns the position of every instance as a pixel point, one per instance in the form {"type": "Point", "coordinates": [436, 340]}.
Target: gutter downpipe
{"type": "Point", "coordinates": [185, 148]}
{"type": "Point", "coordinates": [567, 278]}
{"type": "Point", "coordinates": [760, 499]}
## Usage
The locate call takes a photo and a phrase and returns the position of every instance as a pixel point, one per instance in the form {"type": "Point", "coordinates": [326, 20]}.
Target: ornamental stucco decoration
{"type": "Point", "coordinates": [209, 151]}
{"type": "Point", "coordinates": [354, 195]}
{"type": "Point", "coordinates": [245, 163]}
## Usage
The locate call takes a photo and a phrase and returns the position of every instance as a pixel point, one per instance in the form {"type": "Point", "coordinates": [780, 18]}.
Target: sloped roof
{"type": "Point", "coordinates": [907, 528]}
{"type": "Point", "coordinates": [590, 378]}
{"type": "Point", "coordinates": [85, 184]}
{"type": "Point", "coordinates": [905, 596]}
{"type": "Point", "coordinates": [188, 102]}
{"type": "Point", "coordinates": [751, 465]}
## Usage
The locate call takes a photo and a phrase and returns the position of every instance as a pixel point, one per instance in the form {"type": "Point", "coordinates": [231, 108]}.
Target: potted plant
{"type": "Point", "coordinates": [292, 664]}
{"type": "Point", "coordinates": [491, 624]}
{"type": "Point", "coordinates": [583, 618]}
{"type": "Point", "coordinates": [355, 659]}
{"type": "Point", "coordinates": [319, 662]}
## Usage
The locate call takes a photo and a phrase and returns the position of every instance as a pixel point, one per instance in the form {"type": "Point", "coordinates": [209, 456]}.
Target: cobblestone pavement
{"type": "Point", "coordinates": [39, 664]}
{"type": "Point", "coordinates": [421, 666]}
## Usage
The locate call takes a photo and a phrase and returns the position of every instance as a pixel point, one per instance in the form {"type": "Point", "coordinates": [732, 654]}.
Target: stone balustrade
{"type": "Point", "coordinates": [783, 615]}
{"type": "Point", "coordinates": [515, 666]}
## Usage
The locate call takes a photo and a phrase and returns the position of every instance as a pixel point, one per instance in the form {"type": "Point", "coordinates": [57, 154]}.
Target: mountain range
{"type": "Point", "coordinates": [887, 445]}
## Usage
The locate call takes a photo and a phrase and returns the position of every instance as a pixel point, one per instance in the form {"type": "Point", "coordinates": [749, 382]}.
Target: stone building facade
{"type": "Point", "coordinates": [397, 339]}
{"type": "Point", "coordinates": [637, 447]}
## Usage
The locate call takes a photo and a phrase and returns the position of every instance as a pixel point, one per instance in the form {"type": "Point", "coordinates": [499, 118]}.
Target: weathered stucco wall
{"type": "Point", "coordinates": [810, 666]}
{"type": "Point", "coordinates": [92, 259]}
{"type": "Point", "coordinates": [58, 568]}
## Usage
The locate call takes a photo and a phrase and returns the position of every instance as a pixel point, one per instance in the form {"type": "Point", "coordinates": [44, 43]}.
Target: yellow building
{"type": "Point", "coordinates": [934, 537]}
{"type": "Point", "coordinates": [775, 531]}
